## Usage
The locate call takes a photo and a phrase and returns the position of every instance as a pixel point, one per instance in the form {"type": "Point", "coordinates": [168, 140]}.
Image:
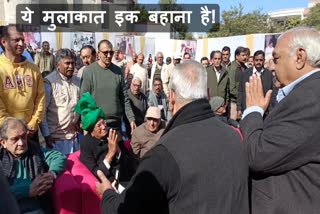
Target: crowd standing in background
{"type": "Point", "coordinates": [165, 134]}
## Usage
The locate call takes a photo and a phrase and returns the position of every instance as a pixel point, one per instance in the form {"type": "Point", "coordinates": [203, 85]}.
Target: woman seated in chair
{"type": "Point", "coordinates": [101, 148]}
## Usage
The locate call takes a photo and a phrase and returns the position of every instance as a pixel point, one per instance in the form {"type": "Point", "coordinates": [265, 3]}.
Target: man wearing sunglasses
{"type": "Point", "coordinates": [105, 82]}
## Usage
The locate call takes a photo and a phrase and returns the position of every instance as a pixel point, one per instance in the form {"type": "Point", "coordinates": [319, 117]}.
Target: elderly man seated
{"type": "Point", "coordinates": [102, 149]}
{"type": "Point", "coordinates": [30, 172]}
{"type": "Point", "coordinates": [218, 107]}
{"type": "Point", "coordinates": [146, 135]}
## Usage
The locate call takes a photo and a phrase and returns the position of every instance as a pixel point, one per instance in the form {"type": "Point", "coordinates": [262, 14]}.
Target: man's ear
{"type": "Point", "coordinates": [3, 142]}
{"type": "Point", "coordinates": [2, 41]}
{"type": "Point", "coordinates": [172, 95]}
{"type": "Point", "coordinates": [301, 58]}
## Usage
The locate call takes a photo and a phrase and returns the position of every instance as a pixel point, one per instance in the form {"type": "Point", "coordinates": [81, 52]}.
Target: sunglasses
{"type": "Point", "coordinates": [107, 52]}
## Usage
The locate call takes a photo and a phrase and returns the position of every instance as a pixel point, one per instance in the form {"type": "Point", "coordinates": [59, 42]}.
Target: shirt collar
{"type": "Point", "coordinates": [217, 70]}
{"type": "Point", "coordinates": [283, 92]}
{"type": "Point", "coordinates": [64, 77]}
{"type": "Point", "coordinates": [255, 70]}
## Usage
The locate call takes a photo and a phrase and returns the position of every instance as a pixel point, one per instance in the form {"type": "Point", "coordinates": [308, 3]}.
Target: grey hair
{"type": "Point", "coordinates": [159, 53]}
{"type": "Point", "coordinates": [309, 39]}
{"type": "Point", "coordinates": [135, 78]}
{"type": "Point", "coordinates": [13, 122]}
{"type": "Point", "coordinates": [64, 53]}
{"type": "Point", "coordinates": [189, 81]}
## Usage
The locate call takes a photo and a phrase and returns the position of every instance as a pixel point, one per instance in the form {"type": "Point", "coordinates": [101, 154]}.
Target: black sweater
{"type": "Point", "coordinates": [93, 152]}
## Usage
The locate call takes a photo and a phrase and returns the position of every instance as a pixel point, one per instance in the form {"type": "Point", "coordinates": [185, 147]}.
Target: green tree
{"type": "Point", "coordinates": [167, 2]}
{"type": "Point", "coordinates": [292, 22]}
{"type": "Point", "coordinates": [235, 22]}
{"type": "Point", "coordinates": [313, 17]}
{"type": "Point", "coordinates": [179, 30]}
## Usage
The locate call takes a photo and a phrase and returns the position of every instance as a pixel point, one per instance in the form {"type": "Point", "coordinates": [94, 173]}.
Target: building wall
{"type": "Point", "coordinates": [2, 12]}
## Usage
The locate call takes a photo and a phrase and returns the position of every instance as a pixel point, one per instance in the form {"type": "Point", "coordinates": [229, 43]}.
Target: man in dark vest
{"type": "Point", "coordinates": [199, 164]}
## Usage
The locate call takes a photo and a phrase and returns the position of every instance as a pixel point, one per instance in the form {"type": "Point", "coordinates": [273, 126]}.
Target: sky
{"type": "Point", "coordinates": [249, 5]}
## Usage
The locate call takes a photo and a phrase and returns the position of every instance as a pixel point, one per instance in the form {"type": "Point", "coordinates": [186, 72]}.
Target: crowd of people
{"type": "Point", "coordinates": [215, 136]}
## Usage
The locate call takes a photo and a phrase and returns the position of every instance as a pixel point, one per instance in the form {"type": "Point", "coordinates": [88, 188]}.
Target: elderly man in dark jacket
{"type": "Point", "coordinates": [138, 102]}
{"type": "Point", "coordinates": [198, 166]}
{"type": "Point", "coordinates": [283, 148]}
{"type": "Point", "coordinates": [102, 149]}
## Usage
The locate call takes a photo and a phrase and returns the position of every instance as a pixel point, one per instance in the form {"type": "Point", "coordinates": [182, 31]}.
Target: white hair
{"type": "Point", "coordinates": [159, 54]}
{"type": "Point", "coordinates": [189, 81]}
{"type": "Point", "coordinates": [135, 78]}
{"type": "Point", "coordinates": [309, 39]}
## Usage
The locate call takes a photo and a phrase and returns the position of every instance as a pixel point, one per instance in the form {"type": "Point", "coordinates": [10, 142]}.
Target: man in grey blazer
{"type": "Point", "coordinates": [158, 98]}
{"type": "Point", "coordinates": [284, 149]}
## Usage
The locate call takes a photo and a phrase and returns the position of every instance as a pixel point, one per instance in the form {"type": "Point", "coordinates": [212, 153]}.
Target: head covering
{"type": "Point", "coordinates": [177, 56]}
{"type": "Point", "coordinates": [216, 102]}
{"type": "Point", "coordinates": [89, 111]}
{"type": "Point", "coordinates": [153, 112]}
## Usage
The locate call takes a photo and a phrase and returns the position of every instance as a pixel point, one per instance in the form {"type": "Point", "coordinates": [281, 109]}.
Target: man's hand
{"type": "Point", "coordinates": [49, 141]}
{"type": "Point", "coordinates": [104, 185]}
{"type": "Point", "coordinates": [254, 93]}
{"type": "Point", "coordinates": [239, 115]}
{"type": "Point", "coordinates": [41, 184]}
{"type": "Point", "coordinates": [31, 131]}
{"type": "Point", "coordinates": [133, 126]}
{"type": "Point", "coordinates": [113, 147]}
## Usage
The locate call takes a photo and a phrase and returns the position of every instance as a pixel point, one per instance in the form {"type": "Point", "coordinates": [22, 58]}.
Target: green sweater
{"type": "Point", "coordinates": [21, 184]}
{"type": "Point", "coordinates": [218, 88]}
{"type": "Point", "coordinates": [107, 87]}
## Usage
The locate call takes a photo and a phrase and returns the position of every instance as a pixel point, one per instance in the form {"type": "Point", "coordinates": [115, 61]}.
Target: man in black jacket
{"type": "Point", "coordinates": [198, 166]}
{"type": "Point", "coordinates": [257, 69]}
{"type": "Point", "coordinates": [283, 149]}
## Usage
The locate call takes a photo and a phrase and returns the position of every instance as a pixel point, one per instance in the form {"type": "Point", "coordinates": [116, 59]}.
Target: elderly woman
{"type": "Point", "coordinates": [101, 149]}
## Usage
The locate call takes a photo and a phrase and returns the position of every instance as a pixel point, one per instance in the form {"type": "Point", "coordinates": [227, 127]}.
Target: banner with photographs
{"type": "Point", "coordinates": [32, 40]}
{"type": "Point", "coordinates": [270, 43]}
{"type": "Point", "coordinates": [81, 39]}
{"type": "Point", "coordinates": [187, 46]}
{"type": "Point", "coordinates": [125, 44]}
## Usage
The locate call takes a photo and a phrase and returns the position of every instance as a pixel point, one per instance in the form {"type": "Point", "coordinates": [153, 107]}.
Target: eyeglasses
{"type": "Point", "coordinates": [106, 53]}
{"type": "Point", "coordinates": [136, 86]}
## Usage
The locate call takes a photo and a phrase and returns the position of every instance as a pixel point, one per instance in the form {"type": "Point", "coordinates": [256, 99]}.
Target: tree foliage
{"type": "Point", "coordinates": [179, 29]}
{"type": "Point", "coordinates": [313, 17]}
{"type": "Point", "coordinates": [235, 22]}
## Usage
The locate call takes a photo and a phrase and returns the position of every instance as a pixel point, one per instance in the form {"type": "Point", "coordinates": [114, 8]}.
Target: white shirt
{"type": "Point", "coordinates": [218, 72]}
{"type": "Point", "coordinates": [141, 72]}
{"type": "Point", "coordinates": [256, 72]}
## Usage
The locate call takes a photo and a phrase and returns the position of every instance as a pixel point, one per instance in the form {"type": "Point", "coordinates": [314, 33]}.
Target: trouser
{"type": "Point", "coordinates": [66, 146]}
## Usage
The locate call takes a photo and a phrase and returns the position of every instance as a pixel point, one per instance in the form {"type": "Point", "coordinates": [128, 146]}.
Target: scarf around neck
{"type": "Point", "coordinates": [33, 160]}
